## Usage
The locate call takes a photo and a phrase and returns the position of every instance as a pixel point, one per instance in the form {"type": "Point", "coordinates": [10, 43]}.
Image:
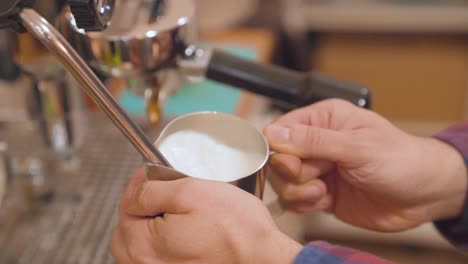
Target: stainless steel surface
{"type": "Point", "coordinates": [32, 175]}
{"type": "Point", "coordinates": [162, 173]}
{"type": "Point", "coordinates": [144, 36]}
{"type": "Point", "coordinates": [194, 62]}
{"type": "Point", "coordinates": [230, 130]}
{"type": "Point", "coordinates": [56, 106]}
{"type": "Point", "coordinates": [76, 225]}
{"type": "Point", "coordinates": [105, 9]}
{"type": "Point", "coordinates": [60, 48]}
{"type": "Point", "coordinates": [56, 120]}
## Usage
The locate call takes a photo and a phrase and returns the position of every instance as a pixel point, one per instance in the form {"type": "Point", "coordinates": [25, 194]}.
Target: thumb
{"type": "Point", "coordinates": [309, 142]}
{"type": "Point", "coordinates": [152, 198]}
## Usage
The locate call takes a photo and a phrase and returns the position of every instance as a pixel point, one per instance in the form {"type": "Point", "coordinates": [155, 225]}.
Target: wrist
{"type": "Point", "coordinates": [277, 248]}
{"type": "Point", "coordinates": [449, 180]}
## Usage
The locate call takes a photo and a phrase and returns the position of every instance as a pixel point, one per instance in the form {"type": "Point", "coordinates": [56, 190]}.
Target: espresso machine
{"type": "Point", "coordinates": [150, 40]}
{"type": "Point", "coordinates": [152, 45]}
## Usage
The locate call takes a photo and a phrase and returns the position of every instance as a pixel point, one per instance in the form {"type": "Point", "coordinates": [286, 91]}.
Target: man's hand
{"type": "Point", "coordinates": [196, 221]}
{"type": "Point", "coordinates": [351, 162]}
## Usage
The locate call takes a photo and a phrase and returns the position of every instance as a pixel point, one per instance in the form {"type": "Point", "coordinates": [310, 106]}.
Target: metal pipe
{"type": "Point", "coordinates": [62, 50]}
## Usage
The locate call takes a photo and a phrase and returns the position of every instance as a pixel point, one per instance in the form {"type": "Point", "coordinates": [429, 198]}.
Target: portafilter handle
{"type": "Point", "coordinates": [291, 88]}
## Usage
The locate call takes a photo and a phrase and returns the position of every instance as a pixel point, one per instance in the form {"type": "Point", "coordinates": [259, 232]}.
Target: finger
{"type": "Point", "coordinates": [132, 185]}
{"type": "Point", "coordinates": [287, 166]}
{"type": "Point", "coordinates": [331, 114]}
{"type": "Point", "coordinates": [294, 170]}
{"type": "Point", "coordinates": [323, 205]}
{"type": "Point", "coordinates": [118, 248]}
{"type": "Point", "coordinates": [135, 181]}
{"type": "Point", "coordinates": [312, 169]}
{"type": "Point", "coordinates": [310, 142]}
{"type": "Point", "coordinates": [309, 192]}
{"type": "Point", "coordinates": [153, 198]}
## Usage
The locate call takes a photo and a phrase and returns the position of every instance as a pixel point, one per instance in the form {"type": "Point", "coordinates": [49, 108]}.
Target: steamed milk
{"type": "Point", "coordinates": [201, 156]}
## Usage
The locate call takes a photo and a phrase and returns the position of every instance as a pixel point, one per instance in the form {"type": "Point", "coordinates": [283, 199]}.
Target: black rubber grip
{"type": "Point", "coordinates": [89, 16]}
{"type": "Point", "coordinates": [289, 87]}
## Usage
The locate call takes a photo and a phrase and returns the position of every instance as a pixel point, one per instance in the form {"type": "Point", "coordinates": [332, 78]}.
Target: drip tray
{"type": "Point", "coordinates": [76, 225]}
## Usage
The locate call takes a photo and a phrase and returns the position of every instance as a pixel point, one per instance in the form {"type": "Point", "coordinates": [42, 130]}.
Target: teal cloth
{"type": "Point", "coordinates": [194, 97]}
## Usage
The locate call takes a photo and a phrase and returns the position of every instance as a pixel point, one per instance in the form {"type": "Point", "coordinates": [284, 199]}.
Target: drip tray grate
{"type": "Point", "coordinates": [76, 226]}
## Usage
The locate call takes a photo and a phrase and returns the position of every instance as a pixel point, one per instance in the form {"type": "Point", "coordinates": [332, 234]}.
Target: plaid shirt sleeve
{"type": "Point", "coordinates": [324, 253]}
{"type": "Point", "coordinates": [456, 230]}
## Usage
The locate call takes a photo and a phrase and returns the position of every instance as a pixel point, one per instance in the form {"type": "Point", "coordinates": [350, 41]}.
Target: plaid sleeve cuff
{"type": "Point", "coordinates": [321, 252]}
{"type": "Point", "coordinates": [456, 230]}
{"type": "Point", "coordinates": [457, 136]}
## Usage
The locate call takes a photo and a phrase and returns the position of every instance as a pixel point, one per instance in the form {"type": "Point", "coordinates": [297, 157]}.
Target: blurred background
{"type": "Point", "coordinates": [412, 54]}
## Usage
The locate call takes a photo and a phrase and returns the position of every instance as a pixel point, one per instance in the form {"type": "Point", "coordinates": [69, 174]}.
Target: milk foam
{"type": "Point", "coordinates": [201, 156]}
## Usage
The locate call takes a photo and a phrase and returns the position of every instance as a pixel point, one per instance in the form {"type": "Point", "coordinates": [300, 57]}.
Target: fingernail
{"type": "Point", "coordinates": [277, 134]}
